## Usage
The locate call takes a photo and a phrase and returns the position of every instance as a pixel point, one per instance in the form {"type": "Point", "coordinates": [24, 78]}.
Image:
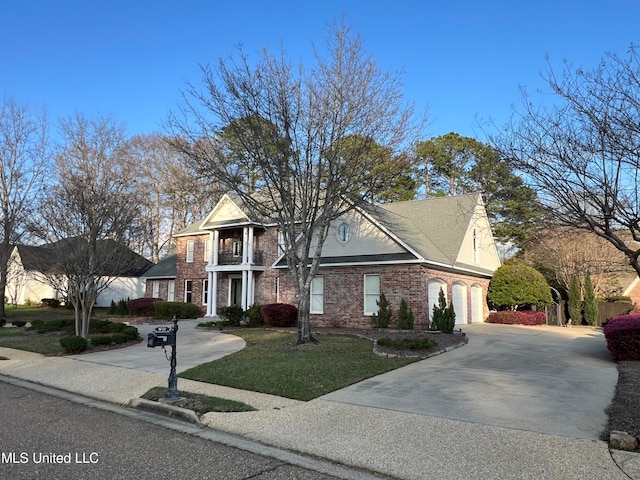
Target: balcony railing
{"type": "Point", "coordinates": [228, 258]}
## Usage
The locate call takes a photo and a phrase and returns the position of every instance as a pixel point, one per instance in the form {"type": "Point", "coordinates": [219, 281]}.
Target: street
{"type": "Point", "coordinates": [49, 437]}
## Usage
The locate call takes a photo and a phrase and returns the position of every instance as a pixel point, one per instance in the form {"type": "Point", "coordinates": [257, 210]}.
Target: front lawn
{"type": "Point", "coordinates": [273, 363]}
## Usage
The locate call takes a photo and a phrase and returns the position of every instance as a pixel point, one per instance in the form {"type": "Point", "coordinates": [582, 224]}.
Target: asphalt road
{"type": "Point", "coordinates": [51, 438]}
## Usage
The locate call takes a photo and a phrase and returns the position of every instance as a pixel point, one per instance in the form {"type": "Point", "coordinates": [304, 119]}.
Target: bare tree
{"type": "Point", "coordinates": [562, 253]}
{"type": "Point", "coordinates": [23, 161]}
{"type": "Point", "coordinates": [171, 195]}
{"type": "Point", "coordinates": [289, 125]}
{"type": "Point", "coordinates": [89, 215]}
{"type": "Point", "coordinates": [582, 154]}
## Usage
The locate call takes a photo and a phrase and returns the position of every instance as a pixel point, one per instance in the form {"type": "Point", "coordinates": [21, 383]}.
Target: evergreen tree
{"type": "Point", "coordinates": [575, 301]}
{"type": "Point", "coordinates": [590, 302]}
{"type": "Point", "coordinates": [405, 316]}
{"type": "Point", "coordinates": [383, 318]}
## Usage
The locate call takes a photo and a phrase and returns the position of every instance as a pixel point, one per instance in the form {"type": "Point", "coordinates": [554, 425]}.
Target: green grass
{"type": "Point", "coordinates": [201, 404]}
{"type": "Point", "coordinates": [273, 363]}
{"type": "Point", "coordinates": [32, 343]}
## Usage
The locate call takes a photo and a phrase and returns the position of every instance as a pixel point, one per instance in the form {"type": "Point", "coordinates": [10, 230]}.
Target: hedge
{"type": "Point", "coordinates": [143, 307]}
{"type": "Point", "coordinates": [279, 314]}
{"type": "Point", "coordinates": [520, 317]}
{"type": "Point", "coordinates": [623, 337]}
{"type": "Point", "coordinates": [179, 309]}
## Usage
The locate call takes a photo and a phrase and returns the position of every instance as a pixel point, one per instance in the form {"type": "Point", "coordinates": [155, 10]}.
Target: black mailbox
{"type": "Point", "coordinates": [161, 338]}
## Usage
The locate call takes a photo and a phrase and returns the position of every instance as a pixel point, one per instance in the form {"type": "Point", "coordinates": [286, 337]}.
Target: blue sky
{"type": "Point", "coordinates": [463, 60]}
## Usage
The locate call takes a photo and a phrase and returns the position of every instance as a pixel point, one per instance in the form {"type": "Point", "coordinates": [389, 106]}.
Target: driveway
{"type": "Point", "coordinates": [551, 380]}
{"type": "Point", "coordinates": [194, 347]}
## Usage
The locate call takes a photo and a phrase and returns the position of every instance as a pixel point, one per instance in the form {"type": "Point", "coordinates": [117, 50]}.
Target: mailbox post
{"type": "Point", "coordinates": [162, 337]}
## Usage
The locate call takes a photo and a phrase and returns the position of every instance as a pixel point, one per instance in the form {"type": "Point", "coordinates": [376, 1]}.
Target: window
{"type": "Point", "coordinates": [171, 294]}
{"type": "Point", "coordinates": [317, 295]}
{"type": "Point", "coordinates": [156, 289]}
{"type": "Point", "coordinates": [280, 242]}
{"type": "Point", "coordinates": [237, 249]}
{"type": "Point", "coordinates": [344, 232]}
{"type": "Point", "coordinates": [188, 290]}
{"type": "Point", "coordinates": [205, 291]}
{"type": "Point", "coordinates": [371, 294]}
{"type": "Point", "coordinates": [191, 244]}
{"type": "Point", "coordinates": [476, 250]}
{"type": "Point", "coordinates": [207, 249]}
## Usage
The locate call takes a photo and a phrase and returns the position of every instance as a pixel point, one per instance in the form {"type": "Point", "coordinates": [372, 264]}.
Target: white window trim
{"type": "Point", "coordinates": [156, 289]}
{"type": "Point", "coordinates": [207, 249]}
{"type": "Point", "coordinates": [171, 291]}
{"type": "Point", "coordinates": [320, 295]}
{"type": "Point", "coordinates": [205, 291]}
{"type": "Point", "coordinates": [367, 294]}
{"type": "Point", "coordinates": [237, 248]}
{"type": "Point", "coordinates": [191, 245]}
{"type": "Point", "coordinates": [188, 291]}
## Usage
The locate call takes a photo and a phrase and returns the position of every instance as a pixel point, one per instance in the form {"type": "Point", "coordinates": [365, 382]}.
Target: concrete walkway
{"type": "Point", "coordinates": [387, 424]}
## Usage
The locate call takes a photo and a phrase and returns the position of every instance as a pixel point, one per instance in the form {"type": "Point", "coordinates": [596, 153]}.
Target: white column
{"type": "Point", "coordinates": [245, 245]}
{"type": "Point", "coordinates": [212, 308]}
{"type": "Point", "coordinates": [216, 247]}
{"type": "Point", "coordinates": [250, 247]}
{"type": "Point", "coordinates": [244, 289]}
{"type": "Point", "coordinates": [250, 293]}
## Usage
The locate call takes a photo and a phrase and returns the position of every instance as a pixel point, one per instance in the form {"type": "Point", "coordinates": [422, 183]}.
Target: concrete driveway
{"type": "Point", "coordinates": [549, 380]}
{"type": "Point", "coordinates": [194, 347]}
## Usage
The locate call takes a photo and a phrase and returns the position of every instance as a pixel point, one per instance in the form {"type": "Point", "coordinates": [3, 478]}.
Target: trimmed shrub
{"type": "Point", "coordinates": [623, 337]}
{"type": "Point", "coordinates": [232, 316]}
{"type": "Point", "coordinates": [279, 314]}
{"type": "Point", "coordinates": [254, 315]}
{"type": "Point", "coordinates": [18, 323]}
{"type": "Point", "coordinates": [407, 343]}
{"type": "Point", "coordinates": [105, 326]}
{"type": "Point", "coordinates": [520, 317]}
{"type": "Point", "coordinates": [59, 325]}
{"type": "Point", "coordinates": [50, 302]}
{"type": "Point", "coordinates": [130, 332]}
{"type": "Point", "coordinates": [382, 319]}
{"type": "Point", "coordinates": [406, 317]}
{"type": "Point", "coordinates": [98, 340]}
{"type": "Point", "coordinates": [575, 301]}
{"type": "Point", "coordinates": [515, 285]}
{"type": "Point", "coordinates": [143, 307]}
{"type": "Point", "coordinates": [73, 344]}
{"type": "Point", "coordinates": [179, 309]}
{"type": "Point", "coordinates": [119, 338]}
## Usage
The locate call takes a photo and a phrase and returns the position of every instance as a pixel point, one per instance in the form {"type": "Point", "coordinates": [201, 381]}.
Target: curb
{"type": "Point", "coordinates": [463, 342]}
{"type": "Point", "coordinates": [169, 410]}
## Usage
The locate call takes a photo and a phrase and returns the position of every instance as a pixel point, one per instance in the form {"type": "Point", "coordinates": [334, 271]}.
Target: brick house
{"type": "Point", "coordinates": [407, 250]}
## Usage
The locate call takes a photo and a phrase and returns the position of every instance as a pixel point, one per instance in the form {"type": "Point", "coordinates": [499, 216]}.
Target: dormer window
{"type": "Point", "coordinates": [344, 232]}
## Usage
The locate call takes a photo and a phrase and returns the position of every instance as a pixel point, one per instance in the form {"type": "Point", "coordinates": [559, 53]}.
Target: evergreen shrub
{"type": "Point", "coordinates": [382, 319]}
{"type": "Point", "coordinates": [232, 315]}
{"type": "Point", "coordinates": [73, 344]}
{"type": "Point", "coordinates": [406, 317]}
{"type": "Point", "coordinates": [179, 309]}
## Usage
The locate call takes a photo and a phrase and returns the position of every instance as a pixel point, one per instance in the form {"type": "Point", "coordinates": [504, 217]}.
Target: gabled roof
{"type": "Point", "coordinates": [434, 227]}
{"type": "Point", "coordinates": [165, 268]}
{"type": "Point", "coordinates": [48, 257]}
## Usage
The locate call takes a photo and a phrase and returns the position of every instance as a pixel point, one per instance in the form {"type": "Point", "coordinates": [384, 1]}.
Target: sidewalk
{"type": "Point", "coordinates": [401, 445]}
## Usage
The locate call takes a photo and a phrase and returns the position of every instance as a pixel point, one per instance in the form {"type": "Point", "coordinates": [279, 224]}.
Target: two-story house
{"type": "Point", "coordinates": [409, 250]}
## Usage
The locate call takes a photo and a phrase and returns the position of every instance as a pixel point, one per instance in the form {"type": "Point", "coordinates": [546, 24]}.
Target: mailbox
{"type": "Point", "coordinates": [161, 338]}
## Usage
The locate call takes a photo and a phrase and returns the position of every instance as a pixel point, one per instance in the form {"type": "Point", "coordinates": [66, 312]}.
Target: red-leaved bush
{"type": "Point", "coordinates": [142, 306]}
{"type": "Point", "coordinates": [279, 314]}
{"type": "Point", "coordinates": [524, 317]}
{"type": "Point", "coordinates": [623, 337]}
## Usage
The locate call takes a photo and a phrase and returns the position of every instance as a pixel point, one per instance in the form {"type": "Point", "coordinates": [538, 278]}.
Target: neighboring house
{"type": "Point", "coordinates": [408, 250]}
{"type": "Point", "coordinates": [160, 280]}
{"type": "Point", "coordinates": [25, 283]}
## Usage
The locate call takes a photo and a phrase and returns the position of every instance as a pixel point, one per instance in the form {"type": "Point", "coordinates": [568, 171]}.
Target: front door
{"type": "Point", "coordinates": [235, 297]}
